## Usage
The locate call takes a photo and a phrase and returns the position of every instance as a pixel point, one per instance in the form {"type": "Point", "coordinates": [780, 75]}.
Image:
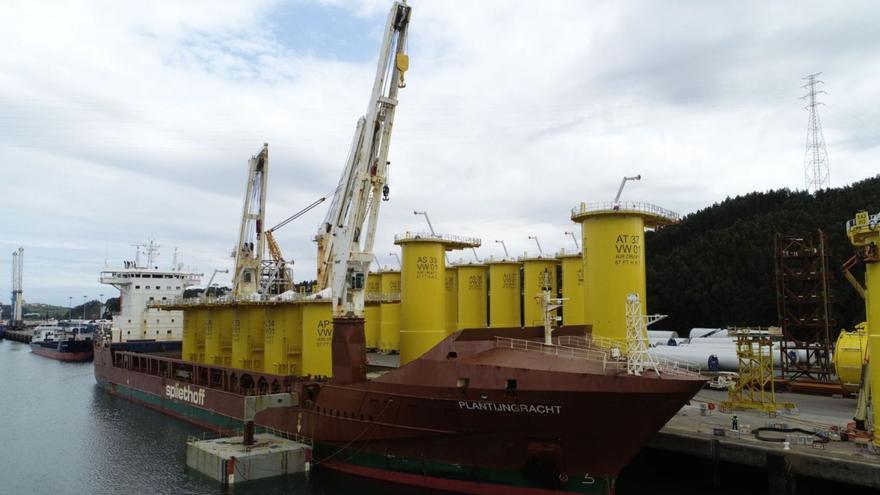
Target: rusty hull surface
{"type": "Point", "coordinates": [465, 402]}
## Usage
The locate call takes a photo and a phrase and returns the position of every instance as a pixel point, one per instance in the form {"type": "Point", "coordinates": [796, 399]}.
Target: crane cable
{"type": "Point", "coordinates": [298, 214]}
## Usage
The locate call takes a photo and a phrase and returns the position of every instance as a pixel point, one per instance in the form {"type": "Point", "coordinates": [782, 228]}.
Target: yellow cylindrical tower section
{"type": "Point", "coordinates": [317, 338]}
{"type": "Point", "coordinates": [451, 286]}
{"type": "Point", "coordinates": [389, 312]}
{"type": "Point", "coordinates": [372, 311]}
{"type": "Point", "coordinates": [248, 336]}
{"type": "Point", "coordinates": [193, 344]}
{"type": "Point", "coordinates": [372, 324]}
{"type": "Point", "coordinates": [218, 335]}
{"type": "Point", "coordinates": [538, 272]}
{"type": "Point", "coordinates": [473, 296]}
{"type": "Point", "coordinates": [283, 336]}
{"type": "Point", "coordinates": [422, 297]}
{"type": "Point", "coordinates": [614, 259]}
{"type": "Point", "coordinates": [423, 290]}
{"type": "Point", "coordinates": [504, 294]}
{"type": "Point", "coordinates": [863, 233]}
{"type": "Point", "coordinates": [573, 290]}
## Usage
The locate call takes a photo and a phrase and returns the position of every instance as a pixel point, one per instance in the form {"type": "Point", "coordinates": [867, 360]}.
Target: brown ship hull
{"type": "Point", "coordinates": [464, 420]}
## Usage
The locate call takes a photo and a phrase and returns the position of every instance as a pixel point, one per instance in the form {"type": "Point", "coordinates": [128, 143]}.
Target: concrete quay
{"type": "Point", "coordinates": [23, 336]}
{"type": "Point", "coordinates": [847, 462]}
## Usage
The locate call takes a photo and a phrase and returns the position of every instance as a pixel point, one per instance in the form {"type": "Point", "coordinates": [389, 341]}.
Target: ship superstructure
{"type": "Point", "coordinates": [141, 284]}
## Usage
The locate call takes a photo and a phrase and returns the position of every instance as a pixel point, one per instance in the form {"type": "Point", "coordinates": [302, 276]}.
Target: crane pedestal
{"type": "Point", "coordinates": [349, 350]}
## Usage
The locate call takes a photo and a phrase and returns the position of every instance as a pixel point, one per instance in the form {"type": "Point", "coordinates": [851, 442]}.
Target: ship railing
{"type": "Point", "coordinates": [382, 297]}
{"type": "Point", "coordinates": [593, 355]}
{"type": "Point", "coordinates": [229, 299]}
{"type": "Point", "coordinates": [624, 207]}
{"type": "Point", "coordinates": [617, 348]}
{"type": "Point", "coordinates": [445, 238]}
{"type": "Point", "coordinates": [239, 432]}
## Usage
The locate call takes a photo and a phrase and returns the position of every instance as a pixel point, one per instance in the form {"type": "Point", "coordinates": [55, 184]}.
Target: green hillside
{"type": "Point", "coordinates": [39, 311]}
{"type": "Point", "coordinates": [716, 267]}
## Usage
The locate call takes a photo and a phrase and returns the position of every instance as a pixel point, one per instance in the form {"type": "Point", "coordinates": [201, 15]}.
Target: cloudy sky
{"type": "Point", "coordinates": [127, 121]}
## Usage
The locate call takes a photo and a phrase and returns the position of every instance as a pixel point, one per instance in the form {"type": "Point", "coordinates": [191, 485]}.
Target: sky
{"type": "Point", "coordinates": [124, 121]}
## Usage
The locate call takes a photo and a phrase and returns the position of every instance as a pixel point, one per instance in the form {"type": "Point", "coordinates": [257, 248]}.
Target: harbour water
{"type": "Point", "coordinates": [60, 434]}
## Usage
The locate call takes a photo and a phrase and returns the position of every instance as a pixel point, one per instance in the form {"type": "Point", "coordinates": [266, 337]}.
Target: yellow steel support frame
{"type": "Point", "coordinates": [754, 388]}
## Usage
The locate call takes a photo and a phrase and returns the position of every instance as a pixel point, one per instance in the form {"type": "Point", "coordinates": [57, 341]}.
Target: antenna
{"type": "Point", "coordinates": [817, 175]}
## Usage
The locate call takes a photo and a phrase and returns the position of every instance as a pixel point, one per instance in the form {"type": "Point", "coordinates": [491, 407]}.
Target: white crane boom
{"type": "Point", "coordinates": [345, 244]}
{"type": "Point", "coordinates": [251, 241]}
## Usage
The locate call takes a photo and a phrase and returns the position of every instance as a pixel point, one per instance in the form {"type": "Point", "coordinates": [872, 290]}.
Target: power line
{"type": "Point", "coordinates": [817, 174]}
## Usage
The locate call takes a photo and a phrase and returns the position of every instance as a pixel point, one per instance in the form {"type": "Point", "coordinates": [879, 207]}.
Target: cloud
{"type": "Point", "coordinates": [121, 121]}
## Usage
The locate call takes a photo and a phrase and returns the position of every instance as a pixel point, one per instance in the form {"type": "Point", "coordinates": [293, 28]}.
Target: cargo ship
{"type": "Point", "coordinates": [485, 411]}
{"type": "Point", "coordinates": [477, 406]}
{"type": "Point", "coordinates": [65, 342]}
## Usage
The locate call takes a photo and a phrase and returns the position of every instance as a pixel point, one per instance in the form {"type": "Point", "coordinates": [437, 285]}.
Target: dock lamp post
{"type": "Point", "coordinates": [69, 307]}
{"type": "Point", "coordinates": [84, 307]}
{"type": "Point", "coordinates": [575, 239]}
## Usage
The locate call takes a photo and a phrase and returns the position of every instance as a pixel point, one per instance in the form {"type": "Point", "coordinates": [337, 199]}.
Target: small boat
{"type": "Point", "coordinates": [65, 342]}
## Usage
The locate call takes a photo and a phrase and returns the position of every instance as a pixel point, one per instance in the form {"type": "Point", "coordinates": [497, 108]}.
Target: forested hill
{"type": "Point", "coordinates": [716, 267]}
